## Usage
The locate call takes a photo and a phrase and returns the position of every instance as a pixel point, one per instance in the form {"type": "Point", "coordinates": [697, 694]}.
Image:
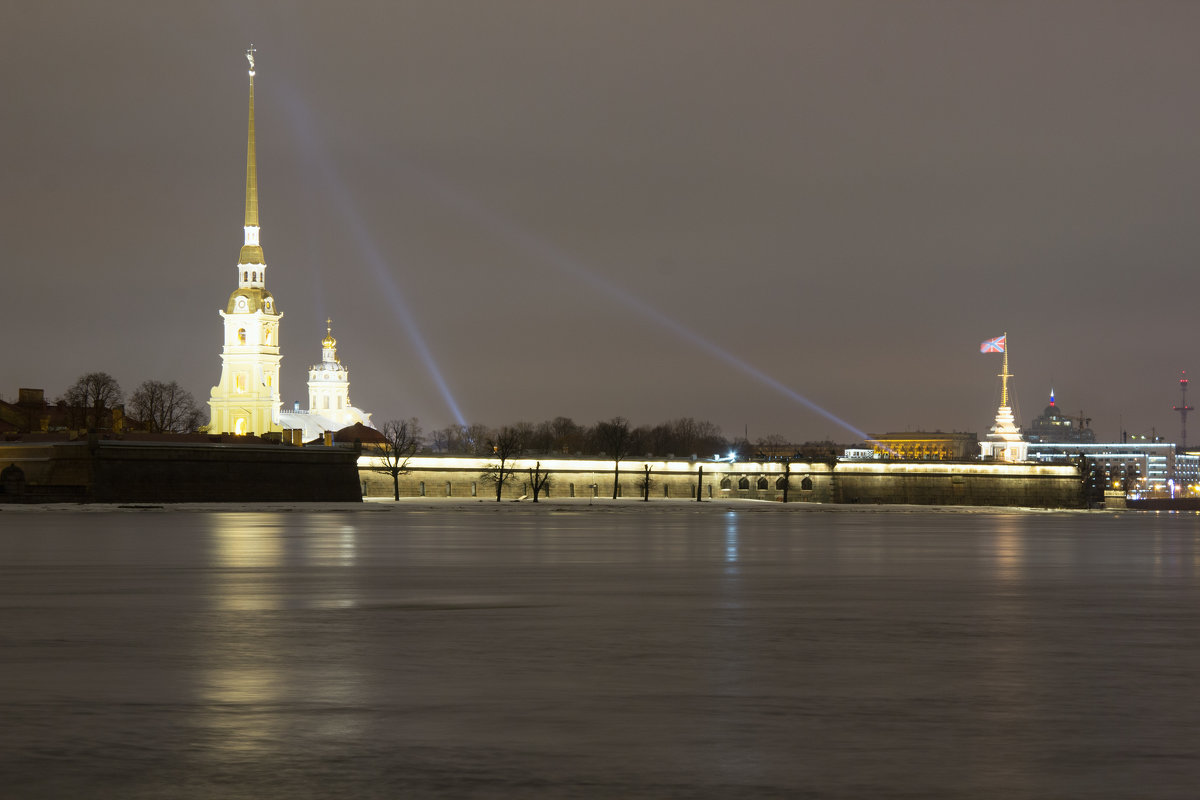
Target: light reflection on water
{"type": "Point", "coordinates": [252, 591]}
{"type": "Point", "coordinates": [662, 654]}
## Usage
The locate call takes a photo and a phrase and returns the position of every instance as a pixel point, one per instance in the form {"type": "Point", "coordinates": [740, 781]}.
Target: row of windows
{"type": "Point", "coordinates": [239, 382]}
{"type": "Point", "coordinates": [312, 402]}
{"type": "Point", "coordinates": [241, 336]}
{"type": "Point", "coordinates": [250, 276]}
{"type": "Point", "coordinates": [806, 484]}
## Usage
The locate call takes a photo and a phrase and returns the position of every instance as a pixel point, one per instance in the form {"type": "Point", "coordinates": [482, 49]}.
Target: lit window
{"type": "Point", "coordinates": [241, 335]}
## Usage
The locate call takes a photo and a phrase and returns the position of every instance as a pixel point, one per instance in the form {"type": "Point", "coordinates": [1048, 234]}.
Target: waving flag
{"type": "Point", "coordinates": [996, 345]}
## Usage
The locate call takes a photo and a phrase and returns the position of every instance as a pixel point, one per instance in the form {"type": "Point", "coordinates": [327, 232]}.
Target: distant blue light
{"type": "Point", "coordinates": [315, 153]}
{"type": "Point", "coordinates": [563, 261]}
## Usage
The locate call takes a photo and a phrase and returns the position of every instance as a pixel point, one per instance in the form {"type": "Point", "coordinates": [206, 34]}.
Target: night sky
{"type": "Point", "coordinates": [647, 209]}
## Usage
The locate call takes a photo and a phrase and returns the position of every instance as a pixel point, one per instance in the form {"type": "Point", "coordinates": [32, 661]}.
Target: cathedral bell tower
{"type": "Point", "coordinates": [247, 398]}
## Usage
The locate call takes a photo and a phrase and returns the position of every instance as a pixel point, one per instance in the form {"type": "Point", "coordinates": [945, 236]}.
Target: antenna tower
{"type": "Point", "coordinates": [1183, 411]}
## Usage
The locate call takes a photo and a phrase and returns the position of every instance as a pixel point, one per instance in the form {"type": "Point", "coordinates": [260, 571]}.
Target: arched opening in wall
{"type": "Point", "coordinates": [744, 483]}
{"type": "Point", "coordinates": [666, 490]}
{"type": "Point", "coordinates": [327, 401]}
{"type": "Point", "coordinates": [239, 383]}
{"type": "Point", "coordinates": [806, 484]}
{"type": "Point", "coordinates": [239, 427]}
{"type": "Point", "coordinates": [710, 491]}
{"type": "Point", "coordinates": [762, 482]}
{"type": "Point", "coordinates": [241, 335]}
{"type": "Point", "coordinates": [726, 483]}
{"type": "Point", "coordinates": [571, 489]}
{"type": "Point", "coordinates": [781, 482]}
{"type": "Point", "coordinates": [449, 493]}
{"type": "Point", "coordinates": [474, 489]}
{"type": "Point", "coordinates": [253, 276]}
{"type": "Point", "coordinates": [245, 275]}
{"type": "Point", "coordinates": [421, 488]}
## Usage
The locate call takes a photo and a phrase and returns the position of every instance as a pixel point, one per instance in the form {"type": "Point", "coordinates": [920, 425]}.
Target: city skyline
{"type": "Point", "coordinates": [719, 213]}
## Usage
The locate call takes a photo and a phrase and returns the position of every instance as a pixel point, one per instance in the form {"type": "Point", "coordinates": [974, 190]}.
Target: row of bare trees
{"type": "Point", "coordinates": [563, 436]}
{"type": "Point", "coordinates": [614, 439]}
{"type": "Point", "coordinates": [159, 406]}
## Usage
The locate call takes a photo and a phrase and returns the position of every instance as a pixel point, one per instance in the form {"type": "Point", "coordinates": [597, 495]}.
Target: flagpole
{"type": "Point", "coordinates": [1004, 376]}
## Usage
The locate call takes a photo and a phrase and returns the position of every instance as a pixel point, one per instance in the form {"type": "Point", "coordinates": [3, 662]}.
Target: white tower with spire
{"type": "Point", "coordinates": [329, 381]}
{"type": "Point", "coordinates": [1004, 441]}
{"type": "Point", "coordinates": [329, 406]}
{"type": "Point", "coordinates": [247, 398]}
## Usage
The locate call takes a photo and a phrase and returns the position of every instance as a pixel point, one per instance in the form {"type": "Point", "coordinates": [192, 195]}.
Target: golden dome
{"type": "Point", "coordinates": [251, 299]}
{"type": "Point", "coordinates": [329, 342]}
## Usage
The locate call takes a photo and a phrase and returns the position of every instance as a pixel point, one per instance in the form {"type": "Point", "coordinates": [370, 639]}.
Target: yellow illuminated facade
{"type": "Point", "coordinates": [246, 400]}
{"type": "Point", "coordinates": [935, 446]}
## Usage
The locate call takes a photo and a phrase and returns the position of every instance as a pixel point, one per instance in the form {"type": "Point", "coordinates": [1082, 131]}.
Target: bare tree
{"type": "Point", "coordinates": [539, 479]}
{"type": "Point", "coordinates": [92, 398]}
{"type": "Point", "coordinates": [401, 440]}
{"type": "Point", "coordinates": [477, 439]}
{"type": "Point", "coordinates": [614, 437]}
{"type": "Point", "coordinates": [165, 407]}
{"type": "Point", "coordinates": [568, 437]}
{"type": "Point", "coordinates": [506, 445]}
{"type": "Point", "coordinates": [645, 483]}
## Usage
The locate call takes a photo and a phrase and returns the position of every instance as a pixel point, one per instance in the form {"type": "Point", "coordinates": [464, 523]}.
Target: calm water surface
{"type": "Point", "coordinates": [559, 653]}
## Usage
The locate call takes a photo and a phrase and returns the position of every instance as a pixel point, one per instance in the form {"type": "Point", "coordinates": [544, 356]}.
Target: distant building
{"type": "Point", "coordinates": [1138, 467]}
{"type": "Point", "coordinates": [1054, 426]}
{"type": "Point", "coordinates": [32, 414]}
{"type": "Point", "coordinates": [921, 446]}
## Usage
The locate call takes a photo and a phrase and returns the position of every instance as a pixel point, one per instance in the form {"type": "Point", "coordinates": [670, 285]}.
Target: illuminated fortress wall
{"type": "Point", "coordinates": [894, 482]}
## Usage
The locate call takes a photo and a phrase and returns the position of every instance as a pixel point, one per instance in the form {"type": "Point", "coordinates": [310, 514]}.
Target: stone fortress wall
{"type": "Point", "coordinates": [914, 482]}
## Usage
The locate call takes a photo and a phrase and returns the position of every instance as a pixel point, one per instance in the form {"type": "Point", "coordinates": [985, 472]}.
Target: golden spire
{"type": "Point", "coordinates": [251, 251]}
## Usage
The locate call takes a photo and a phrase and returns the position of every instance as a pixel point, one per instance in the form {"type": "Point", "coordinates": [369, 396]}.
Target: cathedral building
{"type": "Point", "coordinates": [329, 407]}
{"type": "Point", "coordinates": [246, 400]}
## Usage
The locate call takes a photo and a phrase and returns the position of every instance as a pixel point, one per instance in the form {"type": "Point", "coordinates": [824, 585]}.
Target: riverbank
{"type": "Point", "coordinates": [547, 506]}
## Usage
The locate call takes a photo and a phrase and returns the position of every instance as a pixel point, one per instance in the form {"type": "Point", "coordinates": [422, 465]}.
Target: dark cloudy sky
{"type": "Point", "coordinates": [652, 208]}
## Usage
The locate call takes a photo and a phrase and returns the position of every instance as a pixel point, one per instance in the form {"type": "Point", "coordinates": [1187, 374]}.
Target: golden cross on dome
{"type": "Point", "coordinates": [250, 56]}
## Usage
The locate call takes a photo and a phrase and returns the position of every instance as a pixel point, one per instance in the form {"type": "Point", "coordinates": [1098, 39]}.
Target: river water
{"type": "Point", "coordinates": [561, 651]}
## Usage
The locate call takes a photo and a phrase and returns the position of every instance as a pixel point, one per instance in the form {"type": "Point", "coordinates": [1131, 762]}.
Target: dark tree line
{"type": "Point", "coordinates": [155, 406]}
{"type": "Point", "coordinates": [615, 439]}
